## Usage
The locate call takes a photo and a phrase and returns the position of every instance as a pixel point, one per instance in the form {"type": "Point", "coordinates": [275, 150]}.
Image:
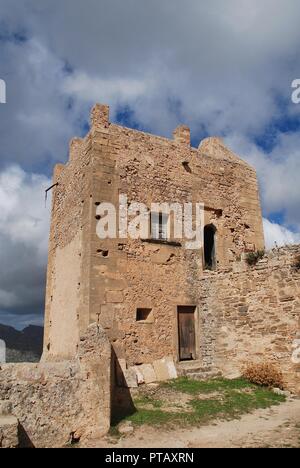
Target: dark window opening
{"type": "Point", "coordinates": [143, 315]}
{"type": "Point", "coordinates": [209, 247]}
{"type": "Point", "coordinates": [159, 226]}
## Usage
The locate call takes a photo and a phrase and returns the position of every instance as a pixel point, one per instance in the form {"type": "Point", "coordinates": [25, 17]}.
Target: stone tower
{"type": "Point", "coordinates": [140, 289]}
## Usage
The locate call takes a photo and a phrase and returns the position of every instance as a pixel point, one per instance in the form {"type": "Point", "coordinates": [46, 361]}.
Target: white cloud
{"type": "Point", "coordinates": [24, 217]}
{"type": "Point", "coordinates": [93, 89]}
{"type": "Point", "coordinates": [278, 172]}
{"type": "Point", "coordinates": [278, 235]}
{"type": "Point", "coordinates": [223, 68]}
{"type": "Point", "coordinates": [24, 231]}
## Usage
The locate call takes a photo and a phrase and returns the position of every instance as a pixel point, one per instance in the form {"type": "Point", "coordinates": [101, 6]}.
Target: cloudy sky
{"type": "Point", "coordinates": [223, 67]}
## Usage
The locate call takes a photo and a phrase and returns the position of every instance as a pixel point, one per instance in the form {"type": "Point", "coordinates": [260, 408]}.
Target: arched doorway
{"type": "Point", "coordinates": [210, 247]}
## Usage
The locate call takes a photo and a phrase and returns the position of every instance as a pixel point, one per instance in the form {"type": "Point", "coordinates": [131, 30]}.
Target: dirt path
{"type": "Point", "coordinates": [278, 426]}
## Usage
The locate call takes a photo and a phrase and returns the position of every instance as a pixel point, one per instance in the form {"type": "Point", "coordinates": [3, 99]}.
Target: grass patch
{"type": "Point", "coordinates": [194, 387]}
{"type": "Point", "coordinates": [151, 417]}
{"type": "Point", "coordinates": [234, 398]}
{"type": "Point", "coordinates": [148, 400]}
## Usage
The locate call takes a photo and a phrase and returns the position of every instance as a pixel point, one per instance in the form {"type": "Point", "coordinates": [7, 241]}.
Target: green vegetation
{"type": "Point", "coordinates": [148, 400]}
{"type": "Point", "coordinates": [192, 387]}
{"type": "Point", "coordinates": [184, 402]}
{"type": "Point", "coordinates": [253, 257]}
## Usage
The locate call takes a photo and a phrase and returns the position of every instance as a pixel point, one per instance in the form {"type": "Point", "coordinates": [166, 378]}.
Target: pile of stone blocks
{"type": "Point", "coordinates": [9, 427]}
{"type": "Point", "coordinates": [159, 371]}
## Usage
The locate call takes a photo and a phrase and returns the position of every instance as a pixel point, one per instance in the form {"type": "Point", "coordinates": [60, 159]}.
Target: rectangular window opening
{"type": "Point", "coordinates": [159, 226]}
{"type": "Point", "coordinates": [144, 315]}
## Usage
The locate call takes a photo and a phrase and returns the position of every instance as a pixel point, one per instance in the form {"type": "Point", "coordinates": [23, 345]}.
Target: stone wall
{"type": "Point", "coordinates": [136, 274]}
{"type": "Point", "coordinates": [252, 314]}
{"type": "Point", "coordinates": [115, 277]}
{"type": "Point", "coordinates": [240, 312]}
{"type": "Point", "coordinates": [67, 292]}
{"type": "Point", "coordinates": [58, 402]}
{"type": "Point", "coordinates": [245, 314]}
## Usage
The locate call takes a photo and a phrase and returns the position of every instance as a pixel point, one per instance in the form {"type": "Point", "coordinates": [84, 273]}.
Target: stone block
{"type": "Point", "coordinates": [9, 432]}
{"type": "Point", "coordinates": [126, 428]}
{"type": "Point", "coordinates": [139, 375]}
{"type": "Point", "coordinates": [285, 393]}
{"type": "Point", "coordinates": [148, 373]}
{"type": "Point", "coordinates": [107, 315]}
{"type": "Point", "coordinates": [5, 408]}
{"type": "Point", "coordinates": [130, 378]}
{"type": "Point", "coordinates": [161, 370]}
{"type": "Point", "coordinates": [165, 369]}
{"type": "Point", "coordinates": [171, 368]}
{"type": "Point", "coordinates": [114, 296]}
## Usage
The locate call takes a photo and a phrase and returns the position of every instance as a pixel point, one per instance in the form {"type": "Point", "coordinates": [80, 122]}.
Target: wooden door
{"type": "Point", "coordinates": [186, 331]}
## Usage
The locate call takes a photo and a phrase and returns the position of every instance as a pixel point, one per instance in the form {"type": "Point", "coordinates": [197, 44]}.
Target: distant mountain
{"type": "Point", "coordinates": [23, 346]}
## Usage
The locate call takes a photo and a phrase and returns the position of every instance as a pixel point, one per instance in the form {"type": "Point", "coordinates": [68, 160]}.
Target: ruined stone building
{"type": "Point", "coordinates": [143, 292]}
{"type": "Point", "coordinates": [120, 311]}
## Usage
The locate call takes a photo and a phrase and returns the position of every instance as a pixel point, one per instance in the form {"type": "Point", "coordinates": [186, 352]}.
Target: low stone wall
{"type": "Point", "coordinates": [255, 312]}
{"type": "Point", "coordinates": [57, 402]}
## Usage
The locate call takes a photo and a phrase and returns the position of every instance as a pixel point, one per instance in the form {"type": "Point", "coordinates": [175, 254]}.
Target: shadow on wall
{"type": "Point", "coordinates": [121, 400]}
{"type": "Point", "coordinates": [24, 439]}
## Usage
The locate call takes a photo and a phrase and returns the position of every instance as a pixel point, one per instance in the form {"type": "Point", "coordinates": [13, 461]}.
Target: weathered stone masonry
{"type": "Point", "coordinates": [239, 310]}
{"type": "Point", "coordinates": [112, 305]}
{"type": "Point", "coordinates": [90, 280]}
{"type": "Point", "coordinates": [252, 314]}
{"type": "Point", "coordinates": [56, 403]}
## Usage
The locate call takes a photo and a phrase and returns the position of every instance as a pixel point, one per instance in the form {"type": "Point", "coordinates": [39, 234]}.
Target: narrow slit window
{"type": "Point", "coordinates": [210, 247]}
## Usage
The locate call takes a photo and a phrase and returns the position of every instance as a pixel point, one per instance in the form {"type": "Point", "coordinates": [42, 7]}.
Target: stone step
{"type": "Point", "coordinates": [196, 370]}
{"type": "Point", "coordinates": [191, 366]}
{"type": "Point", "coordinates": [193, 370]}
{"type": "Point", "coordinates": [190, 363]}
{"type": "Point", "coordinates": [205, 375]}
{"type": "Point", "coordinates": [9, 427]}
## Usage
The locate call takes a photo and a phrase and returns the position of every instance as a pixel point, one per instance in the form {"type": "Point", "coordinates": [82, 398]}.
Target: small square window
{"type": "Point", "coordinates": [144, 315]}
{"type": "Point", "coordinates": [159, 226]}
